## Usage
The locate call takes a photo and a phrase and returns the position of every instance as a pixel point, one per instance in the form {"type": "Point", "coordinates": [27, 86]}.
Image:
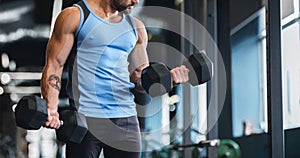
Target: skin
{"type": "Point", "coordinates": [61, 42]}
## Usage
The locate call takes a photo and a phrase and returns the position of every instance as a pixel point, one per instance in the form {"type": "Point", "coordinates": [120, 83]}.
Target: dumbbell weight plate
{"type": "Point", "coordinates": [157, 79]}
{"type": "Point", "coordinates": [201, 68]}
{"type": "Point", "coordinates": [229, 149]}
{"type": "Point", "coordinates": [31, 112]}
{"type": "Point", "coordinates": [74, 126]}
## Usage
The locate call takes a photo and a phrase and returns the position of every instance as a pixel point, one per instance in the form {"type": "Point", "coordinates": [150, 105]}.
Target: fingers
{"type": "Point", "coordinates": [53, 119]}
{"type": "Point", "coordinates": [180, 74]}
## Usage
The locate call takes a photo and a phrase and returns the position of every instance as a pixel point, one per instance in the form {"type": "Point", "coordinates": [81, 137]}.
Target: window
{"type": "Point", "coordinates": [249, 94]}
{"type": "Point", "coordinates": [249, 77]}
{"type": "Point", "coordinates": [291, 69]}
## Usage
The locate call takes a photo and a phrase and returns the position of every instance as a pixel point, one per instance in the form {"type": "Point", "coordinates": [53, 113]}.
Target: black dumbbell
{"type": "Point", "coordinates": [31, 113]}
{"type": "Point", "coordinates": [157, 79]}
{"type": "Point", "coordinates": [200, 67]}
{"type": "Point", "coordinates": [74, 128]}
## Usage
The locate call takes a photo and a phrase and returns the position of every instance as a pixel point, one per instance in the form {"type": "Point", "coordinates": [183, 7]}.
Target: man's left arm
{"type": "Point", "coordinates": [138, 60]}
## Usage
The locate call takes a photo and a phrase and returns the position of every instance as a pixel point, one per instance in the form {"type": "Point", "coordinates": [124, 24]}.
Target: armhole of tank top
{"type": "Point", "coordinates": [84, 13]}
{"type": "Point", "coordinates": [81, 19]}
{"type": "Point", "coordinates": [133, 25]}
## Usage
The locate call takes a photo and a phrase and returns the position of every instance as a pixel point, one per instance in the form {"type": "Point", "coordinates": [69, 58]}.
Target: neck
{"type": "Point", "coordinates": [104, 6]}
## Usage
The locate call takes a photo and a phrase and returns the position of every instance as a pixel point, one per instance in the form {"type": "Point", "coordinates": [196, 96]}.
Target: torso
{"type": "Point", "coordinates": [101, 67]}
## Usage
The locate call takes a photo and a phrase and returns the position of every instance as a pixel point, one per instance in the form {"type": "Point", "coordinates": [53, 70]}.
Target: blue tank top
{"type": "Point", "coordinates": [99, 84]}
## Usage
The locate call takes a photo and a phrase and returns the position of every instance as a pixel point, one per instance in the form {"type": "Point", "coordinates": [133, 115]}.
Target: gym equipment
{"type": "Point", "coordinates": [31, 113]}
{"type": "Point", "coordinates": [156, 79]}
{"type": "Point", "coordinates": [141, 98]}
{"type": "Point", "coordinates": [226, 148]}
{"type": "Point", "coordinates": [201, 68]}
{"type": "Point", "coordinates": [164, 152]}
{"type": "Point", "coordinates": [229, 149]}
{"type": "Point", "coordinates": [201, 144]}
{"type": "Point", "coordinates": [75, 126]}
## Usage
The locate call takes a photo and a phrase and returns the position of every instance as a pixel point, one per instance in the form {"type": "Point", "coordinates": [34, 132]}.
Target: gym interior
{"type": "Point", "coordinates": [248, 109]}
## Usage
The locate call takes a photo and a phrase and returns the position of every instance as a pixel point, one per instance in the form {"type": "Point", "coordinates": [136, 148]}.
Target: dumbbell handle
{"type": "Point", "coordinates": [14, 109]}
{"type": "Point", "coordinates": [61, 122]}
{"type": "Point", "coordinates": [201, 144]}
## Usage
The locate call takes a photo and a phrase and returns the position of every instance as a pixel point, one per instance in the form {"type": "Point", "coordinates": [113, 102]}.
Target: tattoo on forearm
{"type": "Point", "coordinates": [54, 82]}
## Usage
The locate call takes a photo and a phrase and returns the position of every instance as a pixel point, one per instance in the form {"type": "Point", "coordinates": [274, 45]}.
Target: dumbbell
{"type": "Point", "coordinates": [200, 68]}
{"type": "Point", "coordinates": [31, 113]}
{"type": "Point", "coordinates": [157, 79]}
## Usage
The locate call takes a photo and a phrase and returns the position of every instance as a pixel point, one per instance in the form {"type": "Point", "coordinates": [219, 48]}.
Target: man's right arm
{"type": "Point", "coordinates": [138, 58]}
{"type": "Point", "coordinates": [58, 49]}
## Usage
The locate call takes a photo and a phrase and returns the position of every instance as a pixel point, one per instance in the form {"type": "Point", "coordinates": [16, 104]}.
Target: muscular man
{"type": "Point", "coordinates": [104, 41]}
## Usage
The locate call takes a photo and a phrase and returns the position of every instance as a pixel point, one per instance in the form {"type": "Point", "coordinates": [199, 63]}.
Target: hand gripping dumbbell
{"type": "Point", "coordinates": [31, 113]}
{"type": "Point", "coordinates": [157, 79]}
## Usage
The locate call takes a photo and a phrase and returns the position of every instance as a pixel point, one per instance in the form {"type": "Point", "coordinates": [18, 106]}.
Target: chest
{"type": "Point", "coordinates": [96, 33]}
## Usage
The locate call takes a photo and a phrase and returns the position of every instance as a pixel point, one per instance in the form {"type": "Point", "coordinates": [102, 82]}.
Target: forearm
{"type": "Point", "coordinates": [51, 85]}
{"type": "Point", "coordinates": [140, 95]}
{"type": "Point", "coordinates": [136, 77]}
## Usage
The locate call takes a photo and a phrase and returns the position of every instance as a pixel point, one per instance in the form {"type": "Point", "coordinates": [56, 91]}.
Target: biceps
{"type": "Point", "coordinates": [58, 49]}
{"type": "Point", "coordinates": [138, 58]}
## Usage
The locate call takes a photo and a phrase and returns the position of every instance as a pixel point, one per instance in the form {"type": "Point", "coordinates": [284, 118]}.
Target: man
{"type": "Point", "coordinates": [105, 41]}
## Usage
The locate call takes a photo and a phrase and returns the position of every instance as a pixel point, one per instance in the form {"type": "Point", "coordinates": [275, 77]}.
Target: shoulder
{"type": "Point", "coordinates": [139, 23]}
{"type": "Point", "coordinates": [69, 14]}
{"type": "Point", "coordinates": [69, 19]}
{"type": "Point", "coordinates": [141, 30]}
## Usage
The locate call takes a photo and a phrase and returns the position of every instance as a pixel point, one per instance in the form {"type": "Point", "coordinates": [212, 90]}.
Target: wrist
{"type": "Point", "coordinates": [52, 106]}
